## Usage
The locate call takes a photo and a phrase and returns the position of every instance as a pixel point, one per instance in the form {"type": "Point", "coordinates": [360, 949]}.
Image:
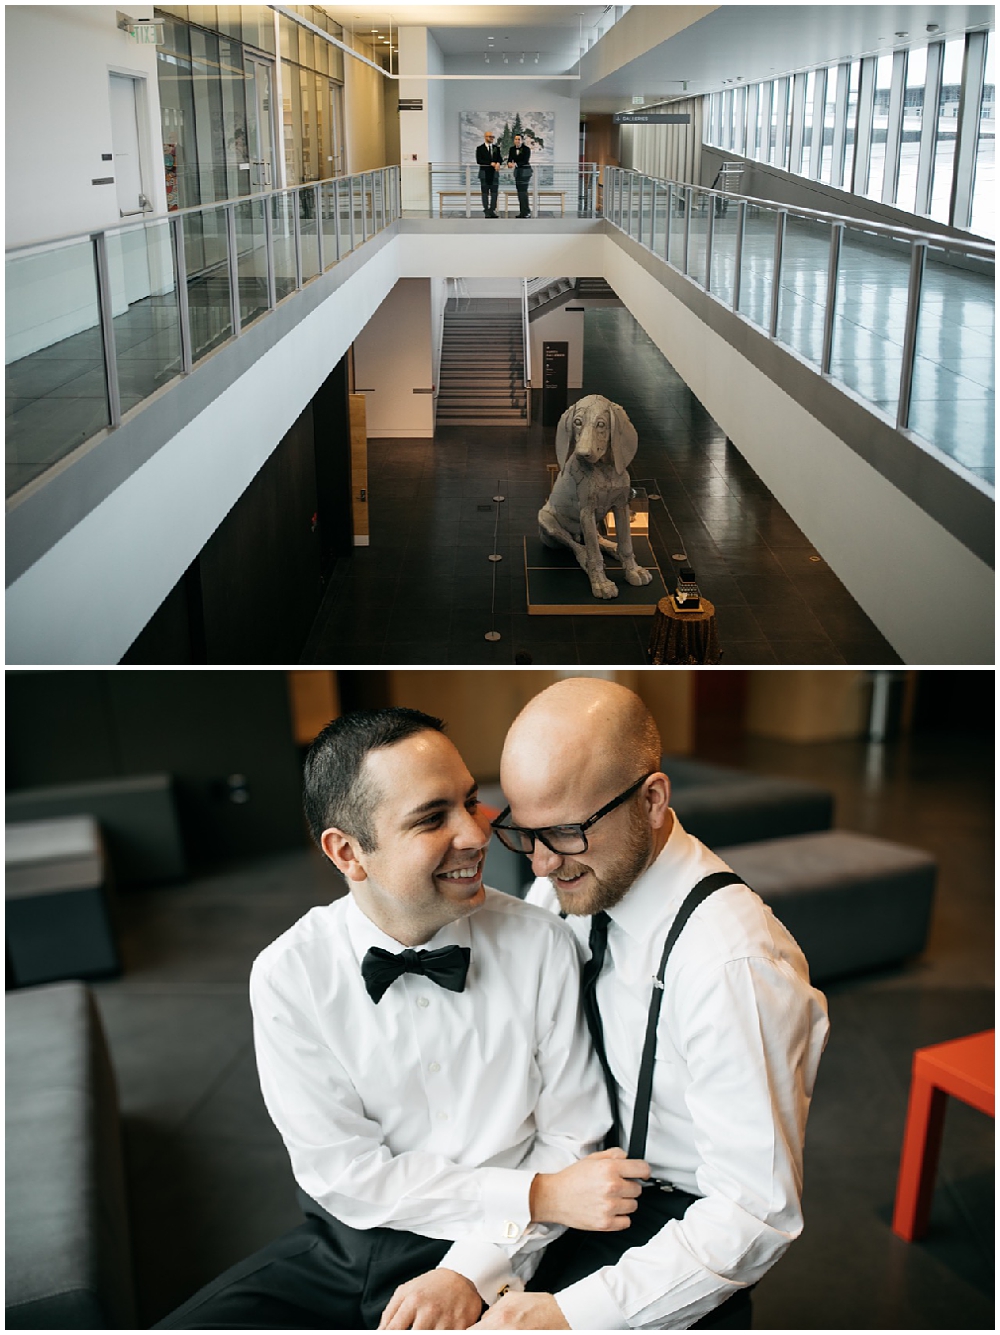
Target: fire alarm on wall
{"type": "Point", "coordinates": [413, 156]}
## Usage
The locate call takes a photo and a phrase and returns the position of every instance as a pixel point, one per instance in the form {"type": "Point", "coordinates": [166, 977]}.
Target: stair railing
{"type": "Point", "coordinates": [526, 332]}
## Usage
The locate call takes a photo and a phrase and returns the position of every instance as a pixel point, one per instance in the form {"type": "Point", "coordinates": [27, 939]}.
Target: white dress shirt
{"type": "Point", "coordinates": [738, 1043]}
{"type": "Point", "coordinates": [432, 1110]}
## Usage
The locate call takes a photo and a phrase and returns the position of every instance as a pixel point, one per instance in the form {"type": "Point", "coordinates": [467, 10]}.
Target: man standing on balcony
{"type": "Point", "coordinates": [518, 157]}
{"type": "Point", "coordinates": [489, 159]}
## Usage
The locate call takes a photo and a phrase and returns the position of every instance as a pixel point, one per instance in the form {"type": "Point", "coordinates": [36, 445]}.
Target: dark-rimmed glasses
{"type": "Point", "coordinates": [558, 838]}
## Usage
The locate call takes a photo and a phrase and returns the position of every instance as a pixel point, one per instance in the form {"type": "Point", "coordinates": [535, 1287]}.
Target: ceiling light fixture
{"type": "Point", "coordinates": [902, 34]}
{"type": "Point", "coordinates": [505, 57]}
{"type": "Point", "coordinates": [536, 57]}
{"type": "Point", "coordinates": [932, 27]}
{"type": "Point", "coordinates": [522, 58]}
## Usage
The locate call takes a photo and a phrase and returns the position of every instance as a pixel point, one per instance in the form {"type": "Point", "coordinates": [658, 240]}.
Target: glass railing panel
{"type": "Point", "coordinates": [870, 317]}
{"type": "Point", "coordinates": [952, 400]}
{"type": "Point", "coordinates": [342, 204]}
{"type": "Point", "coordinates": [648, 194]}
{"type": "Point", "coordinates": [283, 238]}
{"type": "Point", "coordinates": [308, 232]}
{"type": "Point", "coordinates": [251, 259]}
{"type": "Point", "coordinates": [757, 270]}
{"type": "Point", "coordinates": [206, 258]}
{"type": "Point", "coordinates": [724, 247]}
{"type": "Point", "coordinates": [378, 202]}
{"type": "Point", "coordinates": [56, 395]}
{"type": "Point", "coordinates": [328, 222]}
{"type": "Point", "coordinates": [368, 201]}
{"type": "Point", "coordinates": [701, 204]}
{"type": "Point", "coordinates": [357, 209]}
{"type": "Point", "coordinates": [804, 265]}
{"type": "Point", "coordinates": [658, 227]}
{"type": "Point", "coordinates": [678, 211]}
{"type": "Point", "coordinates": [146, 315]}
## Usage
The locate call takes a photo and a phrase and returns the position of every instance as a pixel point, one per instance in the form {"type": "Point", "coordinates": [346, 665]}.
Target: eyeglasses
{"type": "Point", "coordinates": [558, 838]}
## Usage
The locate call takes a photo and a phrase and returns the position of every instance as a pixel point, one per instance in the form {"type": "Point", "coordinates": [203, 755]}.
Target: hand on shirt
{"type": "Point", "coordinates": [524, 1311]}
{"type": "Point", "coordinates": [596, 1193]}
{"type": "Point", "coordinates": [438, 1300]}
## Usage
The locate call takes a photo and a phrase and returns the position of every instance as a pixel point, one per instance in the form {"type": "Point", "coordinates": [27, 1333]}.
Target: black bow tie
{"type": "Point", "coordinates": [446, 967]}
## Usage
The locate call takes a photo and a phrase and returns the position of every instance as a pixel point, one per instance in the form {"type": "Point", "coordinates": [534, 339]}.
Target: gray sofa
{"type": "Point", "coordinates": [721, 806]}
{"type": "Point", "coordinates": [68, 1263]}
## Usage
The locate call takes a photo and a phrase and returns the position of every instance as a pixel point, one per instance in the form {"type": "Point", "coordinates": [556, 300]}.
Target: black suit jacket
{"type": "Point", "coordinates": [520, 157]}
{"type": "Point", "coordinates": [487, 153]}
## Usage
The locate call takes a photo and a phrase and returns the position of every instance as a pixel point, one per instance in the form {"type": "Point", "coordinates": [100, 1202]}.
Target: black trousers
{"type": "Point", "coordinates": [522, 183]}
{"type": "Point", "coordinates": [322, 1275]}
{"type": "Point", "coordinates": [576, 1254]}
{"type": "Point", "coordinates": [489, 185]}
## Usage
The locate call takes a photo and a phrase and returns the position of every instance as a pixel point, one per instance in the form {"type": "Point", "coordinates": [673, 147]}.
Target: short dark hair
{"type": "Point", "coordinates": [335, 791]}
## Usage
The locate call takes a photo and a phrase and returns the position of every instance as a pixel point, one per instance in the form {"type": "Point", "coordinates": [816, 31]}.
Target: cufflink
{"type": "Point", "coordinates": [511, 1230]}
{"type": "Point", "coordinates": [502, 1292]}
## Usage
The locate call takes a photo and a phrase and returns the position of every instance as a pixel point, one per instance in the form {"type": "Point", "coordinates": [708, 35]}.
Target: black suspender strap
{"type": "Point", "coordinates": [644, 1090]}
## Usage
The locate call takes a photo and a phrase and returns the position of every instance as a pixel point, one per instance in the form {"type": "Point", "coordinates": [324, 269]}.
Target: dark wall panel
{"type": "Point", "coordinates": [260, 569]}
{"type": "Point", "coordinates": [207, 729]}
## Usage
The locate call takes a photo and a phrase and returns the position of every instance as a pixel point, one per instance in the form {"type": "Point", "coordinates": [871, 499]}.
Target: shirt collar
{"type": "Point", "coordinates": [657, 893]}
{"type": "Point", "coordinates": [363, 934]}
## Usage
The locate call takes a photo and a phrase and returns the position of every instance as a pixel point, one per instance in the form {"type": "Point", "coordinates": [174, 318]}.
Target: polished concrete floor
{"type": "Point", "coordinates": [209, 1180]}
{"type": "Point", "coordinates": [425, 590]}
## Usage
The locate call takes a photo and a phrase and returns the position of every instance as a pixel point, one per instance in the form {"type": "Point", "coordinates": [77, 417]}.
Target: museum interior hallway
{"type": "Point", "coordinates": [209, 1180]}
{"type": "Point", "coordinates": [426, 592]}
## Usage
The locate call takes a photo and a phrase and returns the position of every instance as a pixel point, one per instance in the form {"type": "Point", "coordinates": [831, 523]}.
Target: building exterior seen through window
{"type": "Point", "coordinates": [914, 128]}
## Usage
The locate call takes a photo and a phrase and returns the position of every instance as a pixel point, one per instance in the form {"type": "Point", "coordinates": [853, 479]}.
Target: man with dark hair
{"type": "Point", "coordinates": [702, 1014]}
{"type": "Point", "coordinates": [421, 1051]}
{"type": "Point", "coordinates": [519, 157]}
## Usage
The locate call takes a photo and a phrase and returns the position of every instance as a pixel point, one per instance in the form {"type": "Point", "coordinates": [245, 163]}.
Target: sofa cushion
{"type": "Point", "coordinates": [852, 902]}
{"type": "Point", "coordinates": [67, 1246]}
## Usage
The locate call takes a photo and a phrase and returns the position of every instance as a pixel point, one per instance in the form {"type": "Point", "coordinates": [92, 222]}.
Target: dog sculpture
{"type": "Point", "coordinates": [595, 443]}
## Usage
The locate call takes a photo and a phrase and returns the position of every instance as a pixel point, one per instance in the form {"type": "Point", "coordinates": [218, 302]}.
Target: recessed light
{"type": "Point", "coordinates": [933, 27]}
{"type": "Point", "coordinates": [902, 34]}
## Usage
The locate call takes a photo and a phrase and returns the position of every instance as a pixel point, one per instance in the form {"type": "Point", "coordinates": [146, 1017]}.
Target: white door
{"type": "Point", "coordinates": [125, 145]}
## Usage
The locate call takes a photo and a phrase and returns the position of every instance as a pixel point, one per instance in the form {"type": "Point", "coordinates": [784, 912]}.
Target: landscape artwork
{"type": "Point", "coordinates": [537, 129]}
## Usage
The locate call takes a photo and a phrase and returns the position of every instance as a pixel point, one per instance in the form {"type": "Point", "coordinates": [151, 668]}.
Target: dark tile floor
{"type": "Point", "coordinates": [426, 592]}
{"type": "Point", "coordinates": [209, 1180]}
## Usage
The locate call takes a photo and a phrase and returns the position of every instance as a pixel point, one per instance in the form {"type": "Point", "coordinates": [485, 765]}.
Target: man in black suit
{"type": "Point", "coordinates": [489, 159]}
{"type": "Point", "coordinates": [519, 156]}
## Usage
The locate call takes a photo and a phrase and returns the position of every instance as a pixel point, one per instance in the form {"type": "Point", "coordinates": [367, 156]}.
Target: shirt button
{"type": "Point", "coordinates": [435, 1067]}
{"type": "Point", "coordinates": [510, 1229]}
{"type": "Point", "coordinates": [442, 1117]}
{"type": "Point", "coordinates": [422, 1001]}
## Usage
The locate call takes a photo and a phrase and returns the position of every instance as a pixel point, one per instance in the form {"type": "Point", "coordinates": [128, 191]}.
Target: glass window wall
{"type": "Point", "coordinates": [907, 105]}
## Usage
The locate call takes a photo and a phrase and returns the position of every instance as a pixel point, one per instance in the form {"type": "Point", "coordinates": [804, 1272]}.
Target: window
{"type": "Point", "coordinates": [913, 116]}
{"type": "Point", "coordinates": [984, 182]}
{"type": "Point", "coordinates": [947, 129]}
{"type": "Point", "coordinates": [880, 127]}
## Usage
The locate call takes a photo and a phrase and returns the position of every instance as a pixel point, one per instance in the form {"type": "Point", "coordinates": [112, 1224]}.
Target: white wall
{"type": "Point", "coordinates": [928, 594]}
{"type": "Point", "coordinates": [59, 62]}
{"type": "Point", "coordinates": [393, 358]}
{"type": "Point", "coordinates": [509, 94]}
{"type": "Point", "coordinates": [88, 597]}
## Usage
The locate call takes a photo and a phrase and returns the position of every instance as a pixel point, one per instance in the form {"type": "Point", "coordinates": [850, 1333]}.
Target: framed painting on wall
{"type": "Point", "coordinates": [537, 129]}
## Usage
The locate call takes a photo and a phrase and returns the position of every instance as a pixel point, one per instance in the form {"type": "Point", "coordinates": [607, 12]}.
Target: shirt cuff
{"type": "Point", "coordinates": [484, 1265]}
{"type": "Point", "coordinates": [506, 1207]}
{"type": "Point", "coordinates": [587, 1305]}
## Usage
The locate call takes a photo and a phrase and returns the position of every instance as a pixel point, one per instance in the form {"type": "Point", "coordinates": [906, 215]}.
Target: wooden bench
{"type": "Point", "coordinates": [543, 195]}
{"type": "Point", "coordinates": [472, 196]}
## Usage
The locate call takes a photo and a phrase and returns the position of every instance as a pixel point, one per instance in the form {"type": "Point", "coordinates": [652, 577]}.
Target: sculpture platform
{"type": "Point", "coordinates": [557, 586]}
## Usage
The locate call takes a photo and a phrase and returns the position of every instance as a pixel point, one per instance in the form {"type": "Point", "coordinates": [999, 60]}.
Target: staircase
{"type": "Point", "coordinates": [482, 366]}
{"type": "Point", "coordinates": [558, 291]}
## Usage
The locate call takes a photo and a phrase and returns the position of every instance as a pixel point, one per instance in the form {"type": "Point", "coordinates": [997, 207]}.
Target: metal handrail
{"type": "Point", "coordinates": [149, 219]}
{"type": "Point", "coordinates": [920, 243]}
{"type": "Point", "coordinates": [986, 249]}
{"type": "Point", "coordinates": [526, 335]}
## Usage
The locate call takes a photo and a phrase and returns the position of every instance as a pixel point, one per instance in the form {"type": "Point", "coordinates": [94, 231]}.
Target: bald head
{"type": "Point", "coordinates": [581, 729]}
{"type": "Point", "coordinates": [571, 751]}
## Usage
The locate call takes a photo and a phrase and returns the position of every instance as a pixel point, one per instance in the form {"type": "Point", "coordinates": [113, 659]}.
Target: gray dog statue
{"type": "Point", "coordinates": [595, 443]}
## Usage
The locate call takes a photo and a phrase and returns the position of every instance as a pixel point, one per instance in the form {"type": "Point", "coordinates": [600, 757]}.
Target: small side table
{"type": "Point", "coordinates": [963, 1068]}
{"type": "Point", "coordinates": [683, 637]}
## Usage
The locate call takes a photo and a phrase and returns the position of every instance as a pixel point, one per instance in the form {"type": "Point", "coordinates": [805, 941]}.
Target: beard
{"type": "Point", "coordinates": [600, 893]}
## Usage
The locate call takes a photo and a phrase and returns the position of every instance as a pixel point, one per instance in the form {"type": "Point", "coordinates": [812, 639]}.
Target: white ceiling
{"type": "Point", "coordinates": [740, 42]}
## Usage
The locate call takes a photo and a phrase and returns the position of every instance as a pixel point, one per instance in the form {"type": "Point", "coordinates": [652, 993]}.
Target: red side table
{"type": "Point", "coordinates": [963, 1068]}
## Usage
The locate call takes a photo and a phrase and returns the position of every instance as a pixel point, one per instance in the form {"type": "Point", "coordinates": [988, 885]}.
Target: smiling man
{"type": "Point", "coordinates": [701, 1012]}
{"type": "Point", "coordinates": [421, 1051]}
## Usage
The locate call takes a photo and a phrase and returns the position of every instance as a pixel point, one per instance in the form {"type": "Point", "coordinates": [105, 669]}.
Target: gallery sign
{"type": "Point", "coordinates": [651, 118]}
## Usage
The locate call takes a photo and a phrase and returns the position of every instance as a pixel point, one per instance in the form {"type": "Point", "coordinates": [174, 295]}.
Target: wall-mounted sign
{"type": "Point", "coordinates": [650, 118]}
{"type": "Point", "coordinates": [147, 32]}
{"type": "Point", "coordinates": [411, 104]}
